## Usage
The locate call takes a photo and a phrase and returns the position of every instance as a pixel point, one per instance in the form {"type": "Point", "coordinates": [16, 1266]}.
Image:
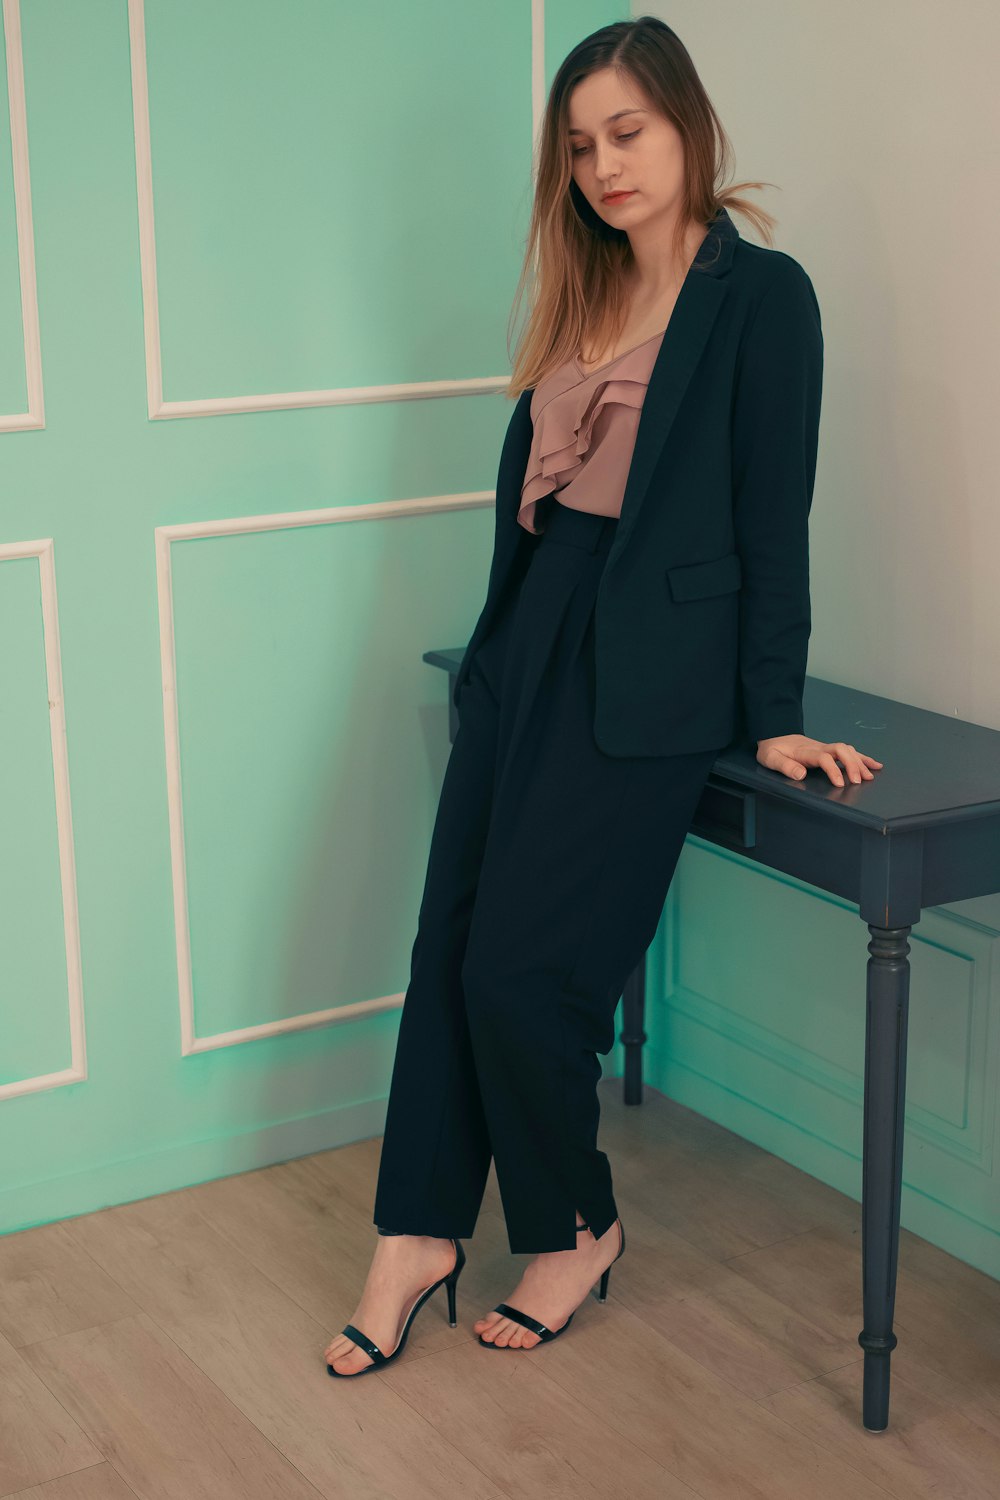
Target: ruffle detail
{"type": "Point", "coordinates": [573, 414]}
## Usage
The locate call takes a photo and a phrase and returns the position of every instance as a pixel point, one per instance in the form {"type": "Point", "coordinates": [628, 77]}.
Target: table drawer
{"type": "Point", "coordinates": [726, 813]}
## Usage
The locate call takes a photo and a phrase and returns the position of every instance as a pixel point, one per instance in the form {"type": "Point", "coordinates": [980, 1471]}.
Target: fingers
{"type": "Point", "coordinates": [852, 764]}
{"type": "Point", "coordinates": [856, 764]}
{"type": "Point", "coordinates": [826, 757]}
{"type": "Point", "coordinates": [829, 764]}
{"type": "Point", "coordinates": [787, 766]}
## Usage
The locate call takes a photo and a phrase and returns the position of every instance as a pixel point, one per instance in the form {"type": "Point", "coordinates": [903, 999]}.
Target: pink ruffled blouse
{"type": "Point", "coordinates": [584, 428]}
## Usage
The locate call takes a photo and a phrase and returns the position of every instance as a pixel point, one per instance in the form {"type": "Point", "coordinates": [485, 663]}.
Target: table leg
{"type": "Point", "coordinates": [888, 994]}
{"type": "Point", "coordinates": [632, 1033]}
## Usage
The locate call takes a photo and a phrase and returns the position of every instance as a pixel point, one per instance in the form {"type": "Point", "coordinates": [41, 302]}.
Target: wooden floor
{"type": "Point", "coordinates": [173, 1347]}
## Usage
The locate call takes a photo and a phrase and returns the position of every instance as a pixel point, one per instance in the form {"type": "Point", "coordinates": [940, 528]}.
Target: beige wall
{"type": "Point", "coordinates": [880, 125]}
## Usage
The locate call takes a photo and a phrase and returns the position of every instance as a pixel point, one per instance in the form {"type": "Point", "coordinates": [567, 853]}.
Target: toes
{"type": "Point", "coordinates": [505, 1333]}
{"type": "Point", "coordinates": [350, 1362]}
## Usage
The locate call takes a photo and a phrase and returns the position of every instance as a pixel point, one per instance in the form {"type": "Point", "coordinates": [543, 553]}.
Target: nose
{"type": "Point", "coordinates": [605, 167]}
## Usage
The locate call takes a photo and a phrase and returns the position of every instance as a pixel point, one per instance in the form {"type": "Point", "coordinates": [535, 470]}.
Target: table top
{"type": "Point", "coordinates": [937, 768]}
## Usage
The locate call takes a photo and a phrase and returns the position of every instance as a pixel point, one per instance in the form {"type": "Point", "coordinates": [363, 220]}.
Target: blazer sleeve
{"type": "Point", "coordinates": [775, 434]}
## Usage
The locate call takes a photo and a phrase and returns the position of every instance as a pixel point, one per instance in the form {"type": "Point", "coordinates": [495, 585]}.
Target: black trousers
{"type": "Point", "coordinates": [549, 866]}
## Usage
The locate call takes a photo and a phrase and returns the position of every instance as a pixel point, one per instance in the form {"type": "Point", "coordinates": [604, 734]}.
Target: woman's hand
{"type": "Point", "coordinates": [793, 753]}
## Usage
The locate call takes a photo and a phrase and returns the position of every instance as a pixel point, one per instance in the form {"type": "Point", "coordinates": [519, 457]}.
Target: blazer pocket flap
{"type": "Point", "coordinates": [720, 575]}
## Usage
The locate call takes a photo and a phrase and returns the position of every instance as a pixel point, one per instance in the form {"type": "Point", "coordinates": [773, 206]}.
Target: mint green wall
{"type": "Point", "coordinates": [340, 195]}
{"type": "Point", "coordinates": [340, 198]}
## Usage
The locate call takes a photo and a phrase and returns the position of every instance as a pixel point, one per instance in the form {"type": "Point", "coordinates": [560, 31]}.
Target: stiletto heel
{"type": "Point", "coordinates": [379, 1360]}
{"type": "Point", "coordinates": [451, 1285]}
{"type": "Point", "coordinates": [545, 1335]}
{"type": "Point", "coordinates": [602, 1295]}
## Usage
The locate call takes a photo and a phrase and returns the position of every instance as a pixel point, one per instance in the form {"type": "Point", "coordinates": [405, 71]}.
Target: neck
{"type": "Point", "coordinates": [656, 273]}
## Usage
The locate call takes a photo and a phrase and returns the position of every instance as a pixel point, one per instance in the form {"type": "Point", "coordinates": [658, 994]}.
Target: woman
{"type": "Point", "coordinates": [648, 604]}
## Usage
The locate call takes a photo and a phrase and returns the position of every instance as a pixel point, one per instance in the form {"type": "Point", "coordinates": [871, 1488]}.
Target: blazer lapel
{"type": "Point", "coordinates": [698, 302]}
{"type": "Point", "coordinates": [695, 311]}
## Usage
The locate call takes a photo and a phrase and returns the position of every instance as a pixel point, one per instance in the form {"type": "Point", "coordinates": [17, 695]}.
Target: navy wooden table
{"type": "Point", "coordinates": [925, 831]}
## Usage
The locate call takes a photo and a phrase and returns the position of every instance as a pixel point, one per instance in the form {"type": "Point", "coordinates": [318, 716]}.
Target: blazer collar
{"type": "Point", "coordinates": [715, 253]}
{"type": "Point", "coordinates": [702, 294]}
{"type": "Point", "coordinates": [695, 310]}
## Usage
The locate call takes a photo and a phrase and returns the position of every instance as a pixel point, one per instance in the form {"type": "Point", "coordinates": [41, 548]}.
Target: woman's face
{"type": "Point", "coordinates": [618, 142]}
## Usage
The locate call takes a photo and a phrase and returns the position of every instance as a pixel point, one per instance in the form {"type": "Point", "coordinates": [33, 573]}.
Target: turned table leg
{"type": "Point", "coordinates": [888, 991]}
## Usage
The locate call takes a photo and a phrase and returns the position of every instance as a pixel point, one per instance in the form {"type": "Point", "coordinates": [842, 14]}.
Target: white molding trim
{"type": "Point", "coordinates": [232, 526]}
{"type": "Point", "coordinates": [275, 400]}
{"type": "Point", "coordinates": [34, 417]}
{"type": "Point", "coordinates": [77, 1071]}
{"type": "Point", "coordinates": [538, 90]}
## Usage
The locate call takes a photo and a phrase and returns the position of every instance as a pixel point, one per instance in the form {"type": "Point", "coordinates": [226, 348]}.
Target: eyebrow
{"type": "Point", "coordinates": [611, 118]}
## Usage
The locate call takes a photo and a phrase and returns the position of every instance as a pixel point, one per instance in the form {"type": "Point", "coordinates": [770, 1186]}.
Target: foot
{"type": "Point", "coordinates": [403, 1266]}
{"type": "Point", "coordinates": [552, 1287]}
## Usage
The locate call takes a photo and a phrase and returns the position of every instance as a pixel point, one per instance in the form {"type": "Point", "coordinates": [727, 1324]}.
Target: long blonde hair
{"type": "Point", "coordinates": [578, 290]}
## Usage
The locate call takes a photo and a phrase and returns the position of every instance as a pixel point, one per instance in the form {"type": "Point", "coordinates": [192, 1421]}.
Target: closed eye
{"type": "Point", "coordinates": [579, 150]}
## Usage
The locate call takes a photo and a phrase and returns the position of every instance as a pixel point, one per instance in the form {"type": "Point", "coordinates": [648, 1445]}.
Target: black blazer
{"type": "Point", "coordinates": [702, 617]}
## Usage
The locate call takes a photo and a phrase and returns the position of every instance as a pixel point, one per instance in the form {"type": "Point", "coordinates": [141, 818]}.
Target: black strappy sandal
{"type": "Point", "coordinates": [533, 1325]}
{"type": "Point", "coordinates": [379, 1360]}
